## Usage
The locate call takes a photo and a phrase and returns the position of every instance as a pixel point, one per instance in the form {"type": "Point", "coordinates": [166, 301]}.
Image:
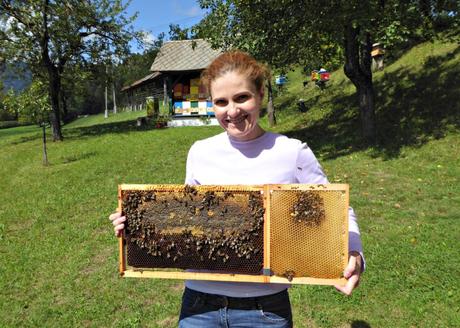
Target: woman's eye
{"type": "Point", "coordinates": [220, 102]}
{"type": "Point", "coordinates": [242, 98]}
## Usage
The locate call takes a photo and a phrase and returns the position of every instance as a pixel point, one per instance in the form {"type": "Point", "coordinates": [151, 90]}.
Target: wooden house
{"type": "Point", "coordinates": [175, 79]}
{"type": "Point", "coordinates": [137, 93]}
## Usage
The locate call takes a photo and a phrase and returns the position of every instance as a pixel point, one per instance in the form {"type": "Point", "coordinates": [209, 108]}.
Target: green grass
{"type": "Point", "coordinates": [58, 255]}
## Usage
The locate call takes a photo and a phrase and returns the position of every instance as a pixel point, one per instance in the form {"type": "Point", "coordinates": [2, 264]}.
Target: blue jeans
{"type": "Point", "coordinates": [201, 310]}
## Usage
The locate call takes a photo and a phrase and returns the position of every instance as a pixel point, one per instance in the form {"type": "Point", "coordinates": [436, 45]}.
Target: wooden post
{"type": "Point", "coordinates": [165, 91]}
{"type": "Point", "coordinates": [106, 112]}
{"type": "Point", "coordinates": [45, 154]}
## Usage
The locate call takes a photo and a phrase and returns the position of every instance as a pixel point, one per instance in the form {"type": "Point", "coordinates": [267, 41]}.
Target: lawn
{"type": "Point", "coordinates": [58, 255]}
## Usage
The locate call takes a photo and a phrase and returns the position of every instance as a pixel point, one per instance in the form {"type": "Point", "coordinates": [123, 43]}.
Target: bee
{"type": "Point", "coordinates": [289, 274]}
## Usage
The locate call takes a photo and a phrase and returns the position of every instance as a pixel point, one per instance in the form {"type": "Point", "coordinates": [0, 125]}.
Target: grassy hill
{"type": "Point", "coordinates": [58, 255]}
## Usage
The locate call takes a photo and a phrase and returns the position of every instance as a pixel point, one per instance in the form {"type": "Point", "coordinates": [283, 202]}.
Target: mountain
{"type": "Point", "coordinates": [17, 77]}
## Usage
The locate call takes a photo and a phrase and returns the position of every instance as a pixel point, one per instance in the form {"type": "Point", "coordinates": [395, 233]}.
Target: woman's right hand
{"type": "Point", "coordinates": [118, 223]}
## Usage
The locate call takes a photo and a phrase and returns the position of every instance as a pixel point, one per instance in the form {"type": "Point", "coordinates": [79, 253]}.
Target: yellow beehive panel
{"type": "Point", "coordinates": [308, 241]}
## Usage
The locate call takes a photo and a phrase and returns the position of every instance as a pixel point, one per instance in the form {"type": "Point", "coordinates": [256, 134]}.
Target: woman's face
{"type": "Point", "coordinates": [237, 103]}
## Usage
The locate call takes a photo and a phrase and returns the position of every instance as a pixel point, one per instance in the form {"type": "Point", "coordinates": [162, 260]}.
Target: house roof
{"type": "Point", "coordinates": [149, 77]}
{"type": "Point", "coordinates": [184, 55]}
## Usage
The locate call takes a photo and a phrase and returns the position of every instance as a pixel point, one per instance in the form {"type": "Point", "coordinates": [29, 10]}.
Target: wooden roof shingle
{"type": "Point", "coordinates": [184, 55]}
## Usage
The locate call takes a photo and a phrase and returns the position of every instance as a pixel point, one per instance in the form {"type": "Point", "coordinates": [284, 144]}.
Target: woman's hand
{"type": "Point", "coordinates": [118, 223]}
{"type": "Point", "coordinates": [352, 273]}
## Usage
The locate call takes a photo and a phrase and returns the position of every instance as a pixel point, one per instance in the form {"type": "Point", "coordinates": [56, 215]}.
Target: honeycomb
{"type": "Point", "coordinates": [194, 228]}
{"type": "Point", "coordinates": [300, 248]}
{"type": "Point", "coordinates": [221, 229]}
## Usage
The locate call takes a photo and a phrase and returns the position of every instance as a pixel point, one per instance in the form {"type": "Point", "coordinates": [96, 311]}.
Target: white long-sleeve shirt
{"type": "Point", "coordinates": [269, 159]}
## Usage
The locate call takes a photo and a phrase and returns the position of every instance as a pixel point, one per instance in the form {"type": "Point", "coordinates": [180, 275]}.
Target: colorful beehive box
{"type": "Point", "coordinates": [178, 109]}
{"type": "Point", "coordinates": [186, 105]}
{"type": "Point", "coordinates": [195, 82]}
{"type": "Point", "coordinates": [178, 91]}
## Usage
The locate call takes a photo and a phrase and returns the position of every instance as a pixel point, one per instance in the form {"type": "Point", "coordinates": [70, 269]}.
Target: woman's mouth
{"type": "Point", "coordinates": [237, 120]}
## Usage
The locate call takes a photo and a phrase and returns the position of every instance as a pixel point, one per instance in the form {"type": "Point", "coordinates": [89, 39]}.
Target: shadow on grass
{"type": "Point", "coordinates": [77, 157]}
{"type": "Point", "coordinates": [360, 324]}
{"type": "Point", "coordinates": [412, 107]}
{"type": "Point", "coordinates": [27, 139]}
{"type": "Point", "coordinates": [103, 128]}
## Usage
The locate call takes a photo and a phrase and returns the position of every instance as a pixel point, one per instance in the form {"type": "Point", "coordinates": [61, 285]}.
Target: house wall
{"type": "Point", "coordinates": [135, 98]}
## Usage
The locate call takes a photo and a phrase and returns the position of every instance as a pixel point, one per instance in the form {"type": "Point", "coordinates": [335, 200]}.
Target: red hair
{"type": "Point", "coordinates": [236, 61]}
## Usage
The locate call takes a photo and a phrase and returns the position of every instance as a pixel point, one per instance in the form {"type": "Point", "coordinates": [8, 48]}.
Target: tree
{"type": "Point", "coordinates": [49, 35]}
{"type": "Point", "coordinates": [134, 66]}
{"type": "Point", "coordinates": [32, 106]}
{"type": "Point", "coordinates": [292, 32]}
{"type": "Point", "coordinates": [177, 33]}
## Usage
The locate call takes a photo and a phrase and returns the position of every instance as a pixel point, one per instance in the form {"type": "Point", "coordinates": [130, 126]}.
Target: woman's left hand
{"type": "Point", "coordinates": [352, 273]}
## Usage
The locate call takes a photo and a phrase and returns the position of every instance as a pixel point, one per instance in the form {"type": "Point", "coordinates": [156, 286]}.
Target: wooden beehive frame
{"type": "Point", "coordinates": [266, 190]}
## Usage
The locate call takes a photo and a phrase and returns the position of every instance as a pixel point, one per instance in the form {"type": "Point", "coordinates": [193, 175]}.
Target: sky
{"type": "Point", "coordinates": [154, 16]}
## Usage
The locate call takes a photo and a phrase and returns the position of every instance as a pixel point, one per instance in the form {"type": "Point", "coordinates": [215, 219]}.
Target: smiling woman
{"type": "Point", "coordinates": [245, 154]}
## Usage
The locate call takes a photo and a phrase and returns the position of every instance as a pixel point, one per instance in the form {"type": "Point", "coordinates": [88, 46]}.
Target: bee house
{"type": "Point", "coordinates": [263, 233]}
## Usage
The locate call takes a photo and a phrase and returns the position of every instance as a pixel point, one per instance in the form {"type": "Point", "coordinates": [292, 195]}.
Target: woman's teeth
{"type": "Point", "coordinates": [237, 120]}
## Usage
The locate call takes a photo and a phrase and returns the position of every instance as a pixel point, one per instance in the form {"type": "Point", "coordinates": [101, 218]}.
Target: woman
{"type": "Point", "coordinates": [246, 154]}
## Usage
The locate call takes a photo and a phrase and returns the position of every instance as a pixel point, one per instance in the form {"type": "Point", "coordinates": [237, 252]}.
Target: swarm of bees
{"type": "Point", "coordinates": [193, 229]}
{"type": "Point", "coordinates": [308, 209]}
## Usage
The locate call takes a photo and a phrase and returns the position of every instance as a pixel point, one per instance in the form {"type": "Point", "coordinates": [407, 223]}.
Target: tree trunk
{"type": "Point", "coordinates": [270, 107]}
{"type": "Point", "coordinates": [114, 98]}
{"type": "Point", "coordinates": [54, 78]}
{"type": "Point", "coordinates": [54, 87]}
{"type": "Point", "coordinates": [358, 69]}
{"type": "Point", "coordinates": [65, 110]}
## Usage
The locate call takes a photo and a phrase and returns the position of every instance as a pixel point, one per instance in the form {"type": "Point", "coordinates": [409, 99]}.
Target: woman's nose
{"type": "Point", "coordinates": [233, 109]}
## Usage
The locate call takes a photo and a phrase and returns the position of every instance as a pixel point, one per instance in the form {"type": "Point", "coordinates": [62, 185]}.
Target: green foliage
{"type": "Point", "coordinates": [152, 107]}
{"type": "Point", "coordinates": [301, 33]}
{"type": "Point", "coordinates": [51, 35]}
{"type": "Point", "coordinates": [177, 33]}
{"type": "Point", "coordinates": [317, 33]}
{"type": "Point", "coordinates": [137, 65]}
{"type": "Point", "coordinates": [31, 105]}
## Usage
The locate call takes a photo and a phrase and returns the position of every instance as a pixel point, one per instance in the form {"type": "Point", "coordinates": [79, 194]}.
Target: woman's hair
{"type": "Point", "coordinates": [236, 61]}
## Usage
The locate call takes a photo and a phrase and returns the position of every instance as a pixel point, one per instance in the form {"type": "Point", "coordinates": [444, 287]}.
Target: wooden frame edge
{"type": "Point", "coordinates": [347, 228]}
{"type": "Point", "coordinates": [308, 281]}
{"type": "Point", "coordinates": [130, 273]}
{"type": "Point", "coordinates": [194, 276]}
{"type": "Point", "coordinates": [121, 238]}
{"type": "Point", "coordinates": [168, 187]}
{"type": "Point", "coordinates": [267, 200]}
